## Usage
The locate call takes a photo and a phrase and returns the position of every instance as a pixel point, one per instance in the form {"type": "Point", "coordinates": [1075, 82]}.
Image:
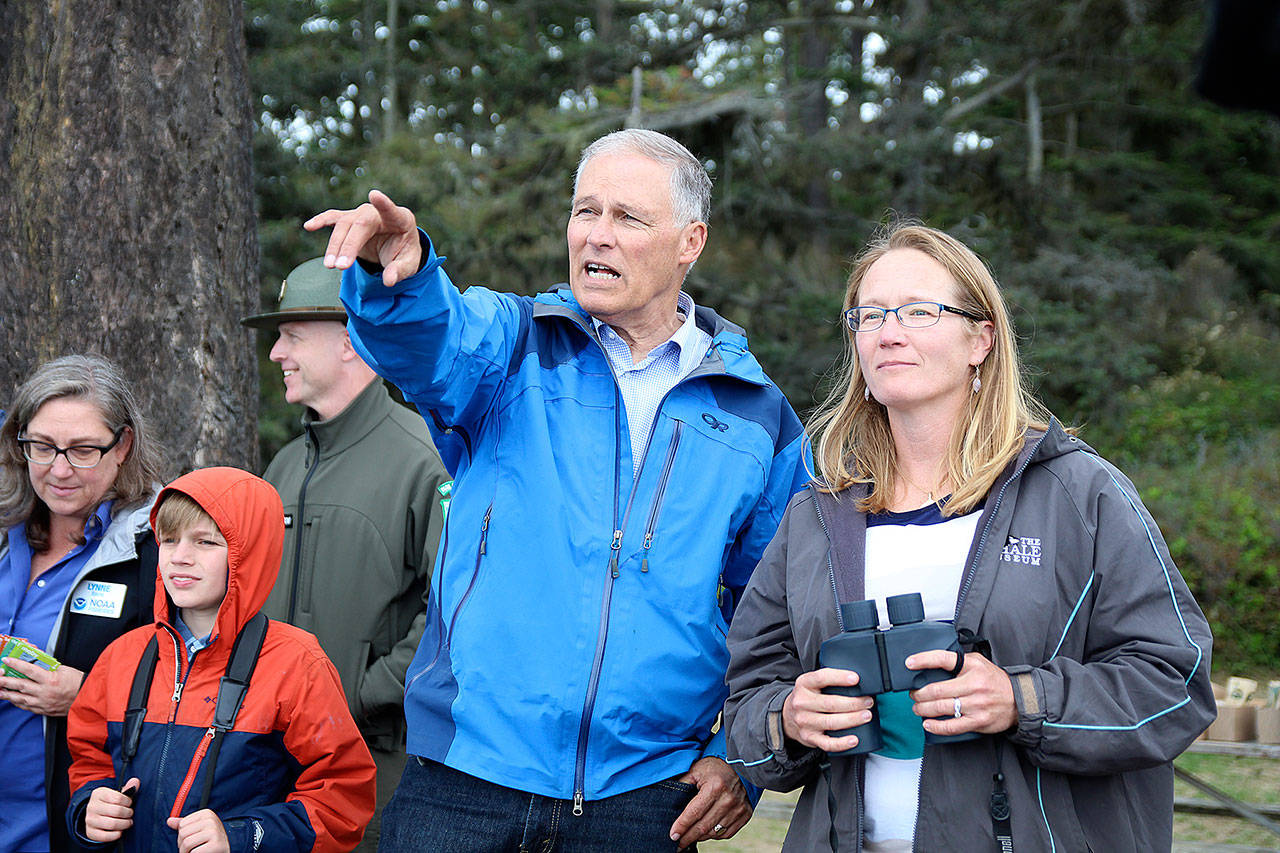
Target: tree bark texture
{"type": "Point", "coordinates": [127, 223]}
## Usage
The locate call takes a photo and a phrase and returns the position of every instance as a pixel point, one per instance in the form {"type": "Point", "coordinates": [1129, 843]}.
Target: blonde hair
{"type": "Point", "coordinates": [854, 442]}
{"type": "Point", "coordinates": [178, 513]}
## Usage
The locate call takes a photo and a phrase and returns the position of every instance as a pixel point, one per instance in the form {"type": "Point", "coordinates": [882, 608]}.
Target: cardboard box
{"type": "Point", "coordinates": [1268, 725]}
{"type": "Point", "coordinates": [1234, 724]}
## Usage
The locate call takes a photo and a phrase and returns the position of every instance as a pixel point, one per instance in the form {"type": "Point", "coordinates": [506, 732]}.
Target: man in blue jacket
{"type": "Point", "coordinates": [620, 462]}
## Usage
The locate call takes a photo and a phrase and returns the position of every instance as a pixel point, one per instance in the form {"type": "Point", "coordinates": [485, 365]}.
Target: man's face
{"type": "Point", "coordinates": [627, 254]}
{"type": "Point", "coordinates": [310, 354]}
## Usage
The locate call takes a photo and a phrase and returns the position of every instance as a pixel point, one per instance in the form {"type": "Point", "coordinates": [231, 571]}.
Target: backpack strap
{"type": "Point", "coordinates": [137, 708]}
{"type": "Point", "coordinates": [231, 691]}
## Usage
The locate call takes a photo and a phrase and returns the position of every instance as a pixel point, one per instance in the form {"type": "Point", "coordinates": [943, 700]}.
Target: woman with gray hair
{"type": "Point", "coordinates": [77, 566]}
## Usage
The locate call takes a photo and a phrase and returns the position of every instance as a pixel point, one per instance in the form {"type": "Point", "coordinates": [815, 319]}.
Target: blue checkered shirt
{"type": "Point", "coordinates": [192, 642]}
{"type": "Point", "coordinates": [644, 384]}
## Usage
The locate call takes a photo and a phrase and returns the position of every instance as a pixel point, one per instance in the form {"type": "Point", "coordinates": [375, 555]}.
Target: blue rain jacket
{"type": "Point", "coordinates": [575, 640]}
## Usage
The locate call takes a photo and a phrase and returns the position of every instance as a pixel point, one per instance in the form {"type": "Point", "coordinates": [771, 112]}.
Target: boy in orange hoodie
{"type": "Point", "coordinates": [292, 773]}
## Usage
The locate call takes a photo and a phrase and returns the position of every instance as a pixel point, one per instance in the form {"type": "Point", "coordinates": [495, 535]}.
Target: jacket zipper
{"type": "Point", "coordinates": [615, 548]}
{"type": "Point", "coordinates": [964, 589]}
{"type": "Point", "coordinates": [661, 493]}
{"type": "Point", "coordinates": [831, 569]}
{"type": "Point", "coordinates": [189, 780]}
{"type": "Point", "coordinates": [475, 574]}
{"type": "Point", "coordinates": [580, 765]}
{"type": "Point", "coordinates": [179, 682]}
{"type": "Point", "coordinates": [602, 632]}
{"type": "Point", "coordinates": [986, 528]}
{"type": "Point", "coordinates": [299, 525]}
{"type": "Point", "coordinates": [835, 596]}
{"type": "Point", "coordinates": [584, 725]}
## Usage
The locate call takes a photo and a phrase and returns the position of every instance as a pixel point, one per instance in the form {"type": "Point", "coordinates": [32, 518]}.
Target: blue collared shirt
{"type": "Point", "coordinates": [192, 642]}
{"type": "Point", "coordinates": [643, 384]}
{"type": "Point", "coordinates": [31, 610]}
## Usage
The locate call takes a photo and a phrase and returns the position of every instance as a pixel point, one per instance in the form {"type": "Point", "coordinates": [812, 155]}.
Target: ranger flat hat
{"type": "Point", "coordinates": [309, 293]}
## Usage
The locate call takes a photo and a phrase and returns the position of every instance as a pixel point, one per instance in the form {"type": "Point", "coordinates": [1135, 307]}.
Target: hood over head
{"type": "Point", "coordinates": [248, 511]}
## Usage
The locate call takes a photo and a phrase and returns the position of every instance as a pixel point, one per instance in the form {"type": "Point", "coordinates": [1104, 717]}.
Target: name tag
{"type": "Point", "coordinates": [98, 598]}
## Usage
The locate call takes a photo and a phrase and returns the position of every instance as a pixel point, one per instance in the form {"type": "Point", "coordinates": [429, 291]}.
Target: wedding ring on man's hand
{"type": "Point", "coordinates": [718, 828]}
{"type": "Point", "coordinates": [956, 706]}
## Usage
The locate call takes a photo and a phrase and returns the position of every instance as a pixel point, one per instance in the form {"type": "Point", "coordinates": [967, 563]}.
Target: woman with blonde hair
{"type": "Point", "coordinates": [78, 470]}
{"type": "Point", "coordinates": [1087, 658]}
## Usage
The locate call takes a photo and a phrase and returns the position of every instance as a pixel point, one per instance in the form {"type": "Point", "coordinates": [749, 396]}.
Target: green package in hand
{"type": "Point", "coordinates": [24, 650]}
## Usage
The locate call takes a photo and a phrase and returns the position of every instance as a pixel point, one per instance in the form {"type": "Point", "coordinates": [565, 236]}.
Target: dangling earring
{"type": "Point", "coordinates": [977, 380]}
{"type": "Point", "coordinates": [866, 393]}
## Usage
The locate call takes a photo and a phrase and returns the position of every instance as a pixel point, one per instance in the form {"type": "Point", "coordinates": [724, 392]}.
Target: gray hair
{"type": "Point", "coordinates": [690, 184]}
{"type": "Point", "coordinates": [100, 382]}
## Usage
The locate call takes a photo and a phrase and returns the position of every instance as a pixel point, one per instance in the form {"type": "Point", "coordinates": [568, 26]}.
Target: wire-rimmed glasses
{"type": "Point", "coordinates": [912, 315]}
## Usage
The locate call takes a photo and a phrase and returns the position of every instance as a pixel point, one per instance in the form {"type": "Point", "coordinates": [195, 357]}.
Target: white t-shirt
{"type": "Point", "coordinates": [917, 551]}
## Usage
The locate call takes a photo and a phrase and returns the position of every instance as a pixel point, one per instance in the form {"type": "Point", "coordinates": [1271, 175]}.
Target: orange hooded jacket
{"type": "Point", "coordinates": [294, 774]}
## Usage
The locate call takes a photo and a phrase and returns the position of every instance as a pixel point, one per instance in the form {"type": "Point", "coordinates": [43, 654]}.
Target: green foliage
{"type": "Point", "coordinates": [1089, 324]}
{"type": "Point", "coordinates": [1221, 519]}
{"type": "Point", "coordinates": [1139, 244]}
{"type": "Point", "coordinates": [1202, 445]}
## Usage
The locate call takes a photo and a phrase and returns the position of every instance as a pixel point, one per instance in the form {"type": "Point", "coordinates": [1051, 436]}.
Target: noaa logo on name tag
{"type": "Point", "coordinates": [98, 598]}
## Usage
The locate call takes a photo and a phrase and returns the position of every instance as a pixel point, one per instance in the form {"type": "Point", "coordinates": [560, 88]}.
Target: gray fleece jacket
{"type": "Point", "coordinates": [1069, 580]}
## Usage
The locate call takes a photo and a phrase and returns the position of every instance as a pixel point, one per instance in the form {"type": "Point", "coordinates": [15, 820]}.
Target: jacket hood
{"type": "Point", "coordinates": [1041, 446]}
{"type": "Point", "coordinates": [250, 515]}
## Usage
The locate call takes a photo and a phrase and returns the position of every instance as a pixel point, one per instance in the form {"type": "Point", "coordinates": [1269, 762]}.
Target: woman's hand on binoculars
{"type": "Point", "coordinates": [979, 699]}
{"type": "Point", "coordinates": [808, 713]}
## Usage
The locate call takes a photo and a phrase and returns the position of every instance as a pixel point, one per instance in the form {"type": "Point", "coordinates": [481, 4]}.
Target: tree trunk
{"type": "Point", "coordinates": [368, 101]}
{"type": "Point", "coordinates": [909, 124]}
{"type": "Point", "coordinates": [127, 223]}
{"type": "Point", "coordinates": [636, 116]}
{"type": "Point", "coordinates": [1035, 134]}
{"type": "Point", "coordinates": [813, 56]}
{"type": "Point", "coordinates": [391, 86]}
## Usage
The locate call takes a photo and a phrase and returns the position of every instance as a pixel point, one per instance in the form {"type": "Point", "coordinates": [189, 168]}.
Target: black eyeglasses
{"type": "Point", "coordinates": [912, 315]}
{"type": "Point", "coordinates": [78, 455]}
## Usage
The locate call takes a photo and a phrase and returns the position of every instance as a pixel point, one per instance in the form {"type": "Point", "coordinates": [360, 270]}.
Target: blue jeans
{"type": "Point", "coordinates": [438, 808]}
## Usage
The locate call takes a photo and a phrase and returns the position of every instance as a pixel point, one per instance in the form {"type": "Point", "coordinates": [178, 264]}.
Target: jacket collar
{"type": "Point", "coordinates": [120, 542]}
{"type": "Point", "coordinates": [1038, 446]}
{"type": "Point", "coordinates": [727, 356]}
{"type": "Point", "coordinates": [353, 423]}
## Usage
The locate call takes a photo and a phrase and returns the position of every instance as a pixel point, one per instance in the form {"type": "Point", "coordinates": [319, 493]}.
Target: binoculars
{"type": "Point", "coordinates": [879, 658]}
